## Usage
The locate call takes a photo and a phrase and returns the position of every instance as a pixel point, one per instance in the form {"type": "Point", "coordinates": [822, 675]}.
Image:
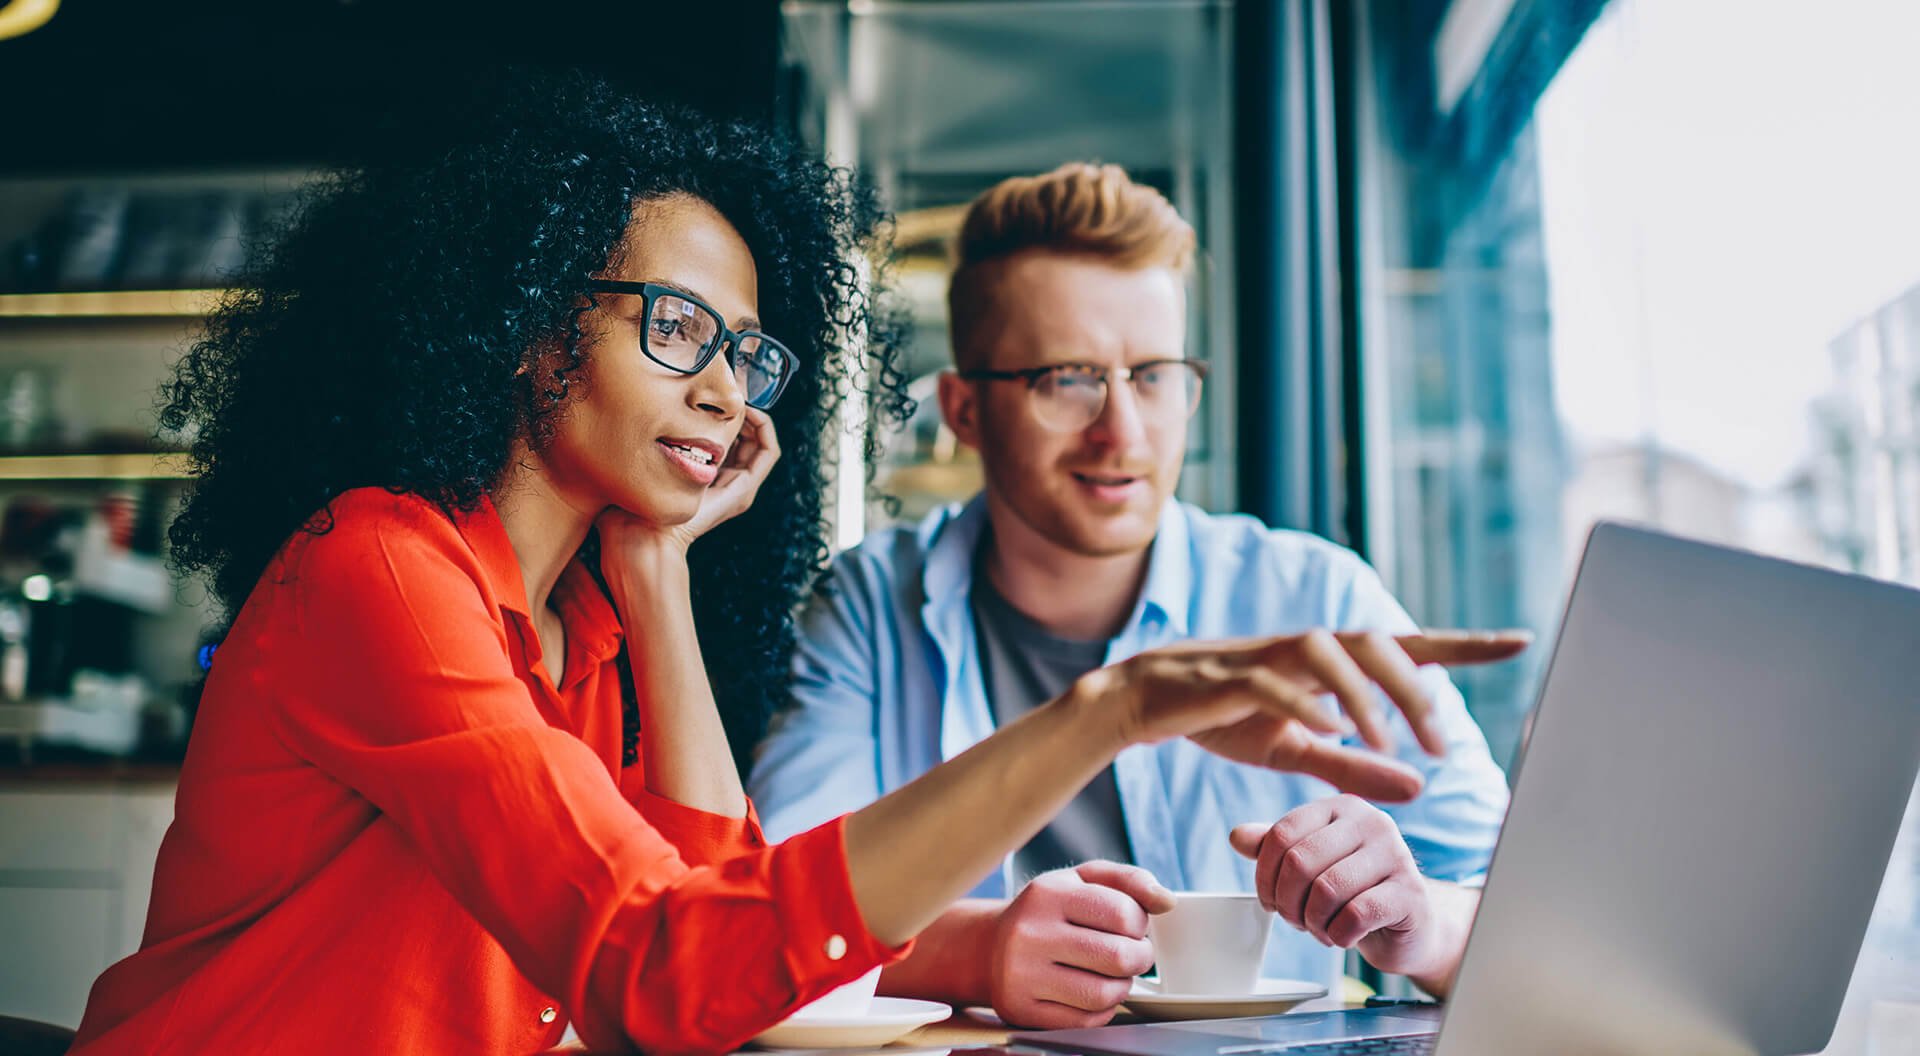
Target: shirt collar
{"type": "Point", "coordinates": [593, 627]}
{"type": "Point", "coordinates": [483, 530]}
{"type": "Point", "coordinates": [1169, 586]}
{"type": "Point", "coordinates": [950, 539]}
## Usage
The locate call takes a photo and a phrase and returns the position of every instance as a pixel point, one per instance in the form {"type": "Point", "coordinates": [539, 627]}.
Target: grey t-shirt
{"type": "Point", "coordinates": [1024, 666]}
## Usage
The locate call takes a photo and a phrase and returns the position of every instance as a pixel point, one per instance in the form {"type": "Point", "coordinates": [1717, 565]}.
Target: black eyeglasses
{"type": "Point", "coordinates": [1068, 397]}
{"type": "Point", "coordinates": [683, 335]}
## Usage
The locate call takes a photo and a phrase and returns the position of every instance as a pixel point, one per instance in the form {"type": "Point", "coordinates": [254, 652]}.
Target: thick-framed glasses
{"type": "Point", "coordinates": [683, 334]}
{"type": "Point", "coordinates": [1068, 397]}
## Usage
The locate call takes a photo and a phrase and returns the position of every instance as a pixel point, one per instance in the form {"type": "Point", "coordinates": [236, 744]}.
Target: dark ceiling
{"type": "Point", "coordinates": [117, 84]}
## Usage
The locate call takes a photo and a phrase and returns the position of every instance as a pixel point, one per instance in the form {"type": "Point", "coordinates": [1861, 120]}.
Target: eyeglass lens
{"type": "Point", "coordinates": [681, 333]}
{"type": "Point", "coordinates": [1073, 397]}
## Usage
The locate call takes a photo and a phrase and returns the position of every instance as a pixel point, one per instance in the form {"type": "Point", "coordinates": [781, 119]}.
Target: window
{"type": "Point", "coordinates": [1682, 287]}
{"type": "Point", "coordinates": [936, 103]}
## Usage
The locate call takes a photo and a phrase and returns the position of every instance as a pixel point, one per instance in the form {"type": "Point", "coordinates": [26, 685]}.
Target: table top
{"type": "Point", "coordinates": [975, 1030]}
{"type": "Point", "coordinates": [957, 1033]}
{"type": "Point", "coordinates": [961, 1031]}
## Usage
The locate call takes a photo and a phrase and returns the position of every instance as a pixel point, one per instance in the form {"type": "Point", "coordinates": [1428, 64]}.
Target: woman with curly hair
{"type": "Point", "coordinates": [509, 472]}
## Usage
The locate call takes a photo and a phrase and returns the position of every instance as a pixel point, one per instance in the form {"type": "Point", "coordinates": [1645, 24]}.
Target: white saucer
{"type": "Point", "coordinates": [1271, 996]}
{"type": "Point", "coordinates": [888, 1019]}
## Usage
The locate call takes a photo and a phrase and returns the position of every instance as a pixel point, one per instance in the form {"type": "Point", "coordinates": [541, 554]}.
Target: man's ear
{"type": "Point", "coordinates": [960, 408]}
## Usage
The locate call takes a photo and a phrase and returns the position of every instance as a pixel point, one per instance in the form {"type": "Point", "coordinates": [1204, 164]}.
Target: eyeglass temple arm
{"type": "Point", "coordinates": [1029, 375]}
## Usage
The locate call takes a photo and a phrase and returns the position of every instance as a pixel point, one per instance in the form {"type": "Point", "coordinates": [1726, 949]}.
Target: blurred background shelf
{"type": "Point", "coordinates": [111, 304]}
{"type": "Point", "coordinates": [138, 466]}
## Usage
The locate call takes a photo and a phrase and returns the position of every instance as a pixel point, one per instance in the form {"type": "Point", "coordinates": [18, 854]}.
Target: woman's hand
{"type": "Point", "coordinates": [920, 847]}
{"type": "Point", "coordinates": [625, 538]}
{"type": "Point", "coordinates": [682, 741]}
{"type": "Point", "coordinates": [741, 475]}
{"type": "Point", "coordinates": [1258, 701]}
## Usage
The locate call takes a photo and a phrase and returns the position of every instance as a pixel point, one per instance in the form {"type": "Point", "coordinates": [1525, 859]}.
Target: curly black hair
{"type": "Point", "coordinates": [378, 340]}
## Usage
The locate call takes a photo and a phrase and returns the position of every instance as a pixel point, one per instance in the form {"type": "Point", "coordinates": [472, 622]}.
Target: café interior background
{"type": "Point", "coordinates": [1472, 275]}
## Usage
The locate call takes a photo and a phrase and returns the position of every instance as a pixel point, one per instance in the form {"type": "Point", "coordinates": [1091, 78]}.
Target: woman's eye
{"type": "Point", "coordinates": [666, 327]}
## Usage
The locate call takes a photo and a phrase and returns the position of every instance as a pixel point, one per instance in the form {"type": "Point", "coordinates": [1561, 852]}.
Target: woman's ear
{"type": "Point", "coordinates": [552, 375]}
{"type": "Point", "coordinates": [960, 407]}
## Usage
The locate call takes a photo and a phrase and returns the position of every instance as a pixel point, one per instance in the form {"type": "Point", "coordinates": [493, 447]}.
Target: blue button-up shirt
{"type": "Point", "coordinates": [887, 684]}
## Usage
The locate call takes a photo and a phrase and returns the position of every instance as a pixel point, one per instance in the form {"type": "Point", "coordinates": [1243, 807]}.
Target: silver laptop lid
{"type": "Point", "coordinates": [1721, 756]}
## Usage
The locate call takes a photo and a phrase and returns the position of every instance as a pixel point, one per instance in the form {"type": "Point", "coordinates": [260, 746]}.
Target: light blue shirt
{"type": "Point", "coordinates": [887, 684]}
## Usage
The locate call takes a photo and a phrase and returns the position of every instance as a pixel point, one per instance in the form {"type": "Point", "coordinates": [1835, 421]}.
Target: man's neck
{"type": "Point", "coordinates": [1073, 595]}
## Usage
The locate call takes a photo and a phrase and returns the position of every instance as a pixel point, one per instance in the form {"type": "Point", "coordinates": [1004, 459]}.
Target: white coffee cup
{"type": "Point", "coordinates": [851, 1001]}
{"type": "Point", "coordinates": [1210, 943]}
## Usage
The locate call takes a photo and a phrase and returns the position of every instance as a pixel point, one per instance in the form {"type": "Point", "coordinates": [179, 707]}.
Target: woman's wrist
{"type": "Point", "coordinates": [1095, 708]}
{"type": "Point", "coordinates": [646, 568]}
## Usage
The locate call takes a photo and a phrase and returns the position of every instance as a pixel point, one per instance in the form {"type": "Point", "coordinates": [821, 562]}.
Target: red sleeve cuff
{"type": "Point", "coordinates": [701, 837]}
{"type": "Point", "coordinates": [827, 939]}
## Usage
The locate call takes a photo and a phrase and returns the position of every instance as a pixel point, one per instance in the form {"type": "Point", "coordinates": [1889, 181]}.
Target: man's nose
{"type": "Point", "coordinates": [1122, 421]}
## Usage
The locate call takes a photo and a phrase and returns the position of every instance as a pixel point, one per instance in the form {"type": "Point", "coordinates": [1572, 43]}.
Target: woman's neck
{"type": "Point", "coordinates": [545, 529]}
{"type": "Point", "coordinates": [1079, 596]}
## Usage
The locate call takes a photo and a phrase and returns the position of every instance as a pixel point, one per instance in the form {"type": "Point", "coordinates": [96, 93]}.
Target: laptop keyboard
{"type": "Point", "coordinates": [1413, 1045]}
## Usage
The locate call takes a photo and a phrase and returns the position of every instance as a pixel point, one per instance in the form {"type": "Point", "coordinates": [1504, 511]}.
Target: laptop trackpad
{"type": "Point", "coordinates": [1317, 1026]}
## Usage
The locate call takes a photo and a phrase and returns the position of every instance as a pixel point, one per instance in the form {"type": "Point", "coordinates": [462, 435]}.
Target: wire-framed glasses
{"type": "Point", "coordinates": [1068, 397]}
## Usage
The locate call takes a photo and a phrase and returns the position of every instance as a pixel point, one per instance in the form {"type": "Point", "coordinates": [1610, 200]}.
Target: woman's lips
{"type": "Point", "coordinates": [698, 459]}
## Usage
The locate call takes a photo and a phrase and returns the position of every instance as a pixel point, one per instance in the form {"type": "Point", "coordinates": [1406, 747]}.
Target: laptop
{"type": "Point", "coordinates": [1723, 750]}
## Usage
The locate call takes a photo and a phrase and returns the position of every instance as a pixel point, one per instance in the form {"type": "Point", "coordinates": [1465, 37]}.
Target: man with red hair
{"type": "Point", "coordinates": [1071, 380]}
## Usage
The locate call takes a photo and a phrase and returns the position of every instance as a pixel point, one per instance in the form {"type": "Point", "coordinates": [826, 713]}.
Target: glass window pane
{"type": "Point", "coordinates": [1687, 294]}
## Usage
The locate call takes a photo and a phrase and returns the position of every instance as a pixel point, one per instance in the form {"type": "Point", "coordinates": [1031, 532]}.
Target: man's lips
{"type": "Point", "coordinates": [1106, 479]}
{"type": "Point", "coordinates": [1109, 488]}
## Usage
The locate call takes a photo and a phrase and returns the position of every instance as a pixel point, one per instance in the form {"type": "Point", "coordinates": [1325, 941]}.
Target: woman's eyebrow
{"type": "Point", "coordinates": [745, 322]}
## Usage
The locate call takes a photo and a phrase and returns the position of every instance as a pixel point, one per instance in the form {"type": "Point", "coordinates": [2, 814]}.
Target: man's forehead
{"type": "Point", "coordinates": [1092, 311]}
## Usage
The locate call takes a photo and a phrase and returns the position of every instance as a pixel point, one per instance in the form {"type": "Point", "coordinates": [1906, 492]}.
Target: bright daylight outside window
{"type": "Point", "coordinates": [1687, 294]}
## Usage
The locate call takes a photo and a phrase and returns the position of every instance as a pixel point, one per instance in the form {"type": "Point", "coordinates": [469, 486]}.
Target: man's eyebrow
{"type": "Point", "coordinates": [745, 322]}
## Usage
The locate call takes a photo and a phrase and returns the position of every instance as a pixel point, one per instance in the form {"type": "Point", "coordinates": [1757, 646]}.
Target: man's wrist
{"type": "Point", "coordinates": [984, 939]}
{"type": "Point", "coordinates": [1448, 922]}
{"type": "Point", "coordinates": [953, 960]}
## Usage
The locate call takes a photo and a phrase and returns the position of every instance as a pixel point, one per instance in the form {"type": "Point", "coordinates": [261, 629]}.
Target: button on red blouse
{"type": "Point", "coordinates": [393, 833]}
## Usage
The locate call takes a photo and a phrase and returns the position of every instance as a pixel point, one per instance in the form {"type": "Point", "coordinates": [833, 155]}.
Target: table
{"type": "Point", "coordinates": [959, 1032]}
{"type": "Point", "coordinates": [962, 1032]}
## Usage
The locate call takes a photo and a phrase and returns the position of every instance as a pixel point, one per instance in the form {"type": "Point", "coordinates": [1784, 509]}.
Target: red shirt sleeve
{"type": "Point", "coordinates": [702, 838]}
{"type": "Point", "coordinates": [407, 694]}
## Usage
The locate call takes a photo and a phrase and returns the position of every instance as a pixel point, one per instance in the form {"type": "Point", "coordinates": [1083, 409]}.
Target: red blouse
{"type": "Point", "coordinates": [394, 833]}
